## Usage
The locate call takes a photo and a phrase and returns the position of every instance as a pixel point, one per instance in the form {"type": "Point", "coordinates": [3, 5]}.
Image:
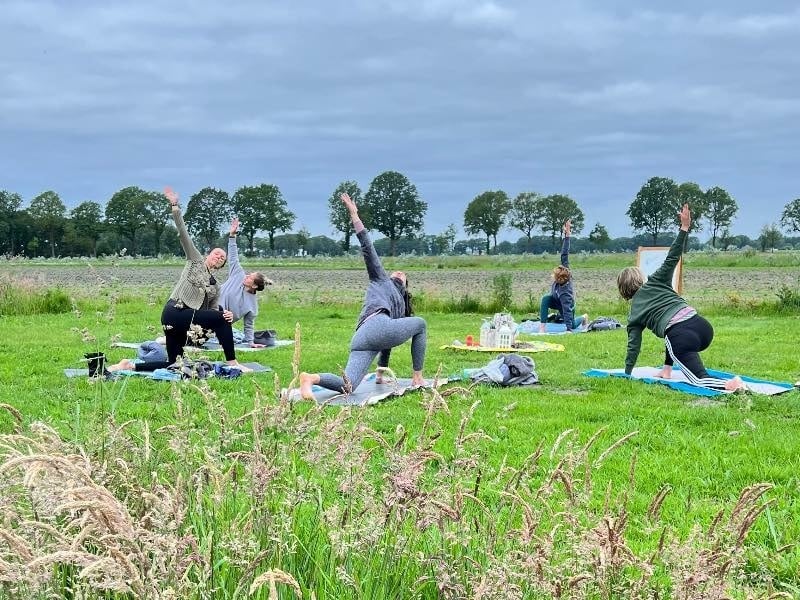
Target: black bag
{"type": "Point", "coordinates": [268, 337]}
{"type": "Point", "coordinates": [97, 364]}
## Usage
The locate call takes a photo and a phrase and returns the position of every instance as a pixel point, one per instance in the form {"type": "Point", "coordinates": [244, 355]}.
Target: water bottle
{"type": "Point", "coordinates": [485, 329]}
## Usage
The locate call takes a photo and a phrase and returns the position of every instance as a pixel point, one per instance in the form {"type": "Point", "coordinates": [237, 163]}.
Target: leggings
{"type": "Point", "coordinates": [684, 341]}
{"type": "Point", "coordinates": [177, 321]}
{"type": "Point", "coordinates": [549, 302]}
{"type": "Point", "coordinates": [376, 335]}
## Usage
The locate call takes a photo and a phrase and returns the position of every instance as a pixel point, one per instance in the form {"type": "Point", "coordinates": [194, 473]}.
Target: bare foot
{"type": "Point", "coordinates": [306, 381]}
{"type": "Point", "coordinates": [384, 375]}
{"type": "Point", "coordinates": [542, 328]}
{"type": "Point", "coordinates": [123, 365]}
{"type": "Point", "coordinates": [237, 365]}
{"type": "Point", "coordinates": [418, 382]}
{"type": "Point", "coordinates": [663, 374]}
{"type": "Point", "coordinates": [735, 384]}
{"type": "Point", "coordinates": [584, 321]}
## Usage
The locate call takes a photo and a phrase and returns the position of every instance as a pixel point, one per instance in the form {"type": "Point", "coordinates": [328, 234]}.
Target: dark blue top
{"type": "Point", "coordinates": [563, 294]}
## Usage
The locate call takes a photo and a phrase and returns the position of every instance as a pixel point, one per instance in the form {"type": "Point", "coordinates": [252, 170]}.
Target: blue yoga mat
{"type": "Point", "coordinates": [678, 381]}
{"type": "Point", "coordinates": [532, 328]}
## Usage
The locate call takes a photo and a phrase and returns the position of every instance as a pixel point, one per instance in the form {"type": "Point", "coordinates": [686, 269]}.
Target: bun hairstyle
{"type": "Point", "coordinates": [561, 275]}
{"type": "Point", "coordinates": [258, 281]}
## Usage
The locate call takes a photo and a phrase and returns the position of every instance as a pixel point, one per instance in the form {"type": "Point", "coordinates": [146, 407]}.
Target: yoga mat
{"type": "Point", "coordinates": [679, 382]}
{"type": "Point", "coordinates": [535, 346]}
{"type": "Point", "coordinates": [366, 394]}
{"type": "Point", "coordinates": [532, 328]}
{"type": "Point", "coordinates": [257, 368]}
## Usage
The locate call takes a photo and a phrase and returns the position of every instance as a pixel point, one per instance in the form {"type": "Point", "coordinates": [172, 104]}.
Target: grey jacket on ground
{"type": "Point", "coordinates": [563, 293]}
{"type": "Point", "coordinates": [507, 370]}
{"type": "Point", "coordinates": [234, 297]}
{"type": "Point", "coordinates": [381, 294]}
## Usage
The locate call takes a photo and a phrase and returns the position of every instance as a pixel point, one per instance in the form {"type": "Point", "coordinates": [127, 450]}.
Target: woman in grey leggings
{"type": "Point", "coordinates": [385, 322]}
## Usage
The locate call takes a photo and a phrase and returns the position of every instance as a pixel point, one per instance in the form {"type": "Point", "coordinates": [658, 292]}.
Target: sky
{"type": "Point", "coordinates": [587, 99]}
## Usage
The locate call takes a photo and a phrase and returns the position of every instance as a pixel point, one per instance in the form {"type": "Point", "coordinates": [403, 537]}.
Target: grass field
{"type": "Point", "coordinates": [203, 489]}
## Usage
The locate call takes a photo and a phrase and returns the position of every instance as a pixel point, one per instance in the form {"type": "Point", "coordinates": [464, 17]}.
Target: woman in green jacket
{"type": "Point", "coordinates": [656, 306]}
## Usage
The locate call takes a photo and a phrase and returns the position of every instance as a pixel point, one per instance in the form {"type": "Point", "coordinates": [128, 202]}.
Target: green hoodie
{"type": "Point", "coordinates": [655, 303]}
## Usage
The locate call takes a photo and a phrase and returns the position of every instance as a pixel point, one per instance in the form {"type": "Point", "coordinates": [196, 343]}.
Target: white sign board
{"type": "Point", "coordinates": [650, 258]}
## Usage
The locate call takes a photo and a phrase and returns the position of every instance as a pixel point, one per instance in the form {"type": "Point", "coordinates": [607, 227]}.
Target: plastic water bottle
{"type": "Point", "coordinates": [485, 334]}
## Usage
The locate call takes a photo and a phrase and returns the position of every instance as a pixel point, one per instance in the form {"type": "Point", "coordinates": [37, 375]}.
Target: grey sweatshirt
{"type": "Point", "coordinates": [381, 292]}
{"type": "Point", "coordinates": [234, 297]}
{"type": "Point", "coordinates": [564, 292]}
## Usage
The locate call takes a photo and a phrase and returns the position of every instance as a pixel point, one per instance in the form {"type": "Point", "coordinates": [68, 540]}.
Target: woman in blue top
{"type": "Point", "coordinates": [562, 296]}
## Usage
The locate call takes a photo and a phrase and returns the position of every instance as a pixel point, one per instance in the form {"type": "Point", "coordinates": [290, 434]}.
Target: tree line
{"type": "Point", "coordinates": [139, 221]}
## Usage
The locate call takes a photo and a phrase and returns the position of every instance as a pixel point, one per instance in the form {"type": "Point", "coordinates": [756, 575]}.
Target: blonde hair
{"type": "Point", "coordinates": [561, 275]}
{"type": "Point", "coordinates": [629, 280]}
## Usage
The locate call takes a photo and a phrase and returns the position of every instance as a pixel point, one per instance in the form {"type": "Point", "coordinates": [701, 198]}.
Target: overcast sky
{"type": "Point", "coordinates": [588, 99]}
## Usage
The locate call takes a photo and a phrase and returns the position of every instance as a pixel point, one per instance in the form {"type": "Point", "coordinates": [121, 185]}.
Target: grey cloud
{"type": "Point", "coordinates": [462, 95]}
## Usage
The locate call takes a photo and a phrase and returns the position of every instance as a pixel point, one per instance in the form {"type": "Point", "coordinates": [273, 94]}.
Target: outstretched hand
{"type": "Point", "coordinates": [234, 226]}
{"type": "Point", "coordinates": [171, 195]}
{"type": "Point", "coordinates": [686, 217]}
{"type": "Point", "coordinates": [567, 227]}
{"type": "Point", "coordinates": [348, 202]}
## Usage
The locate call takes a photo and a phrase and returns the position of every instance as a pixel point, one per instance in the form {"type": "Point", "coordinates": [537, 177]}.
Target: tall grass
{"type": "Point", "coordinates": [320, 505]}
{"type": "Point", "coordinates": [22, 297]}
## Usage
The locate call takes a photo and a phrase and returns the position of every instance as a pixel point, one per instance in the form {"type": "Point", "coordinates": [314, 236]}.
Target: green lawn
{"type": "Point", "coordinates": [707, 452]}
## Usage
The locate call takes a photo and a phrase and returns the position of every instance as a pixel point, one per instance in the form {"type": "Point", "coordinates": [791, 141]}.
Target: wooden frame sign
{"type": "Point", "coordinates": [650, 258]}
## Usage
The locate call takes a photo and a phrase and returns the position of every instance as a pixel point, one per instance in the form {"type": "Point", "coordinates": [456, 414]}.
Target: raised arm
{"type": "Point", "coordinates": [192, 253]}
{"type": "Point", "coordinates": [375, 269]}
{"type": "Point", "coordinates": [565, 244]}
{"type": "Point", "coordinates": [235, 268]}
{"type": "Point", "coordinates": [665, 271]}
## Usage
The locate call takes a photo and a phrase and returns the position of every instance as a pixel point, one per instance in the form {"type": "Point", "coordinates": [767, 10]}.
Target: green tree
{"type": "Point", "coordinates": [321, 244]}
{"type": "Point", "coordinates": [556, 209]}
{"type": "Point", "coordinates": [302, 238]}
{"type": "Point", "coordinates": [720, 209]}
{"type": "Point", "coordinates": [127, 214]}
{"type": "Point", "coordinates": [49, 214]}
{"type": "Point", "coordinates": [87, 219]}
{"type": "Point", "coordinates": [9, 205]}
{"type": "Point", "coordinates": [599, 236]}
{"type": "Point", "coordinates": [790, 219]}
{"type": "Point", "coordinates": [526, 213]}
{"type": "Point", "coordinates": [442, 243]}
{"type": "Point", "coordinates": [394, 207]}
{"type": "Point", "coordinates": [261, 207]}
{"type": "Point", "coordinates": [690, 193]}
{"type": "Point", "coordinates": [340, 218]}
{"type": "Point", "coordinates": [654, 207]}
{"type": "Point", "coordinates": [159, 216]}
{"type": "Point", "coordinates": [770, 237]}
{"type": "Point", "coordinates": [487, 214]}
{"type": "Point", "coordinates": [206, 212]}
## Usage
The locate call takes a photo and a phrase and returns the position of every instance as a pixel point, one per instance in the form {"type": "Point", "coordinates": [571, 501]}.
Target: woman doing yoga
{"type": "Point", "coordinates": [385, 322]}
